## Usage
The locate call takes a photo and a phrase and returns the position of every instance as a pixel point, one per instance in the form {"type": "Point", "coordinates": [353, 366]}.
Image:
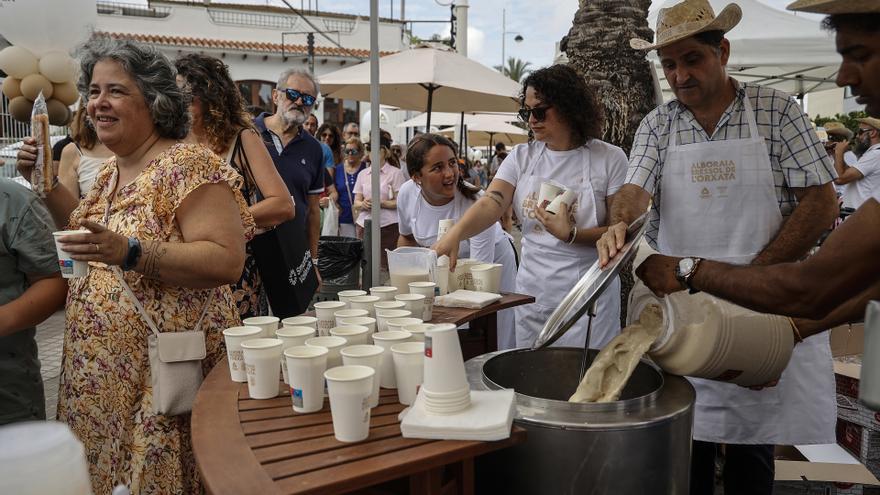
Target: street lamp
{"type": "Point", "coordinates": [504, 32]}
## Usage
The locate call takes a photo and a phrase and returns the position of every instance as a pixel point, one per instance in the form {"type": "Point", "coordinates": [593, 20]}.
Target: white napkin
{"type": "Point", "coordinates": [470, 299]}
{"type": "Point", "coordinates": [488, 418]}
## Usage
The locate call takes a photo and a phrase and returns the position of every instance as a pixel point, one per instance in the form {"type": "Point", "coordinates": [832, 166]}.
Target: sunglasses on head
{"type": "Point", "coordinates": [293, 95]}
{"type": "Point", "coordinates": [540, 113]}
{"type": "Point", "coordinates": [352, 151]}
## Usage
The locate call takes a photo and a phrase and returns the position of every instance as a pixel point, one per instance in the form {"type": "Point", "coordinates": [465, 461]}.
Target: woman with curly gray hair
{"type": "Point", "coordinates": [166, 230]}
{"type": "Point", "coordinates": [565, 154]}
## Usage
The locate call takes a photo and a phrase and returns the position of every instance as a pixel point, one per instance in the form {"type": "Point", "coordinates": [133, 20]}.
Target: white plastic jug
{"type": "Point", "coordinates": [707, 337]}
{"type": "Point", "coordinates": [411, 264]}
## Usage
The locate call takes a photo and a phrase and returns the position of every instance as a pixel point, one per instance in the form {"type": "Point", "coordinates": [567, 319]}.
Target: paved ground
{"type": "Point", "coordinates": [50, 340]}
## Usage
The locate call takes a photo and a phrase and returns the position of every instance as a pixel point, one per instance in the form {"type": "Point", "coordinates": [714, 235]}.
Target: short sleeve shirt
{"type": "Point", "coordinates": [797, 157]}
{"type": "Point", "coordinates": [390, 181]}
{"type": "Point", "coordinates": [300, 164]}
{"type": "Point", "coordinates": [857, 192]}
{"type": "Point", "coordinates": [26, 248]}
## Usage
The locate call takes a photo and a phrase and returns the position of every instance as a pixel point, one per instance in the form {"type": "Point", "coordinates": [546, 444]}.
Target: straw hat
{"type": "Point", "coordinates": [838, 129]}
{"type": "Point", "coordinates": [836, 6]}
{"type": "Point", "coordinates": [686, 19]}
{"type": "Point", "coordinates": [871, 121]}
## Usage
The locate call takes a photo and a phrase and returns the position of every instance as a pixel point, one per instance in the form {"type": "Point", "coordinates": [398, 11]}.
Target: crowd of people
{"type": "Point", "coordinates": [197, 215]}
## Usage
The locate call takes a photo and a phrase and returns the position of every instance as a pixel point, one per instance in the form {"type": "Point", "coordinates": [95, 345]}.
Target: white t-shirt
{"type": "Point", "coordinates": [421, 220]}
{"type": "Point", "coordinates": [857, 192]}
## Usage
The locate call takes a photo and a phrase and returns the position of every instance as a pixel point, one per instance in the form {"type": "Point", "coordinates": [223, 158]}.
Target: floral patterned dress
{"type": "Point", "coordinates": [105, 394]}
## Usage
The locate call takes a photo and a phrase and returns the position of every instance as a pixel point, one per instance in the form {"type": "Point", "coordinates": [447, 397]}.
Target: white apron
{"type": "Point", "coordinates": [719, 202]}
{"type": "Point", "coordinates": [549, 268]}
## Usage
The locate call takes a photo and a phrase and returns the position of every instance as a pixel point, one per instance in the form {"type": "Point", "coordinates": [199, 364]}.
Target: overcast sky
{"type": "Point", "coordinates": [540, 23]}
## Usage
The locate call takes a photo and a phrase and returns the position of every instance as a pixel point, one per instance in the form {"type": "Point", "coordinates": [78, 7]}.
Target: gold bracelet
{"type": "Point", "coordinates": [797, 334]}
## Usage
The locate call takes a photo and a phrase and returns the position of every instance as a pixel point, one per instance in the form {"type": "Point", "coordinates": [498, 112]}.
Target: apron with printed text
{"type": "Point", "coordinates": [550, 268]}
{"type": "Point", "coordinates": [719, 202]}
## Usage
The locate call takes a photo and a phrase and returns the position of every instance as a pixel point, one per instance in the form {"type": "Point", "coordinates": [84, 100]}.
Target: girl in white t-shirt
{"type": "Point", "coordinates": [437, 192]}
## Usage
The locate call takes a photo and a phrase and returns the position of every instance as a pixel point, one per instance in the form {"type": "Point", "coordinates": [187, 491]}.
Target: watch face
{"type": "Point", "coordinates": [685, 265]}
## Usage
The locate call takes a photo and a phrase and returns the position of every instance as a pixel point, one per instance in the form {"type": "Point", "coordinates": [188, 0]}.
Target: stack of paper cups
{"type": "Point", "coordinates": [366, 355]}
{"type": "Point", "coordinates": [291, 337]}
{"type": "Point", "coordinates": [445, 388]}
{"type": "Point", "coordinates": [269, 324]}
{"type": "Point", "coordinates": [346, 295]}
{"type": "Point", "coordinates": [566, 198]}
{"type": "Point", "coordinates": [385, 340]}
{"type": "Point", "coordinates": [548, 193]}
{"type": "Point", "coordinates": [353, 334]}
{"type": "Point", "coordinates": [409, 362]}
{"type": "Point", "coordinates": [349, 388]}
{"type": "Point", "coordinates": [234, 336]}
{"type": "Point", "coordinates": [333, 345]}
{"type": "Point", "coordinates": [306, 366]}
{"type": "Point", "coordinates": [325, 311]}
{"type": "Point", "coordinates": [487, 277]}
{"type": "Point", "coordinates": [429, 290]}
{"type": "Point", "coordinates": [262, 361]}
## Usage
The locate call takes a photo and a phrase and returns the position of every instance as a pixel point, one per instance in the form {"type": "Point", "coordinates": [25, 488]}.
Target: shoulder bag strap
{"type": "Point", "coordinates": [143, 313]}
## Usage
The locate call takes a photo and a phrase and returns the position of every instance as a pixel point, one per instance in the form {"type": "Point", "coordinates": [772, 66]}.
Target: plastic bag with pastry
{"type": "Point", "coordinates": [43, 177]}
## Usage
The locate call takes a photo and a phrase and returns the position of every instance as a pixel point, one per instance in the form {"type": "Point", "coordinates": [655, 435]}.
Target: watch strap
{"type": "Point", "coordinates": [134, 254]}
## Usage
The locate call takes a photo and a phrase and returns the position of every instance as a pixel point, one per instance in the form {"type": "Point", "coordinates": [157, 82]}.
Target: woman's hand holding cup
{"type": "Point", "coordinates": [100, 245]}
{"type": "Point", "coordinates": [559, 225]}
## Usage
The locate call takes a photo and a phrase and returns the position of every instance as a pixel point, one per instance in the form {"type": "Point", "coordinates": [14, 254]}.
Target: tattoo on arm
{"type": "Point", "coordinates": [153, 254]}
{"type": "Point", "coordinates": [497, 197]}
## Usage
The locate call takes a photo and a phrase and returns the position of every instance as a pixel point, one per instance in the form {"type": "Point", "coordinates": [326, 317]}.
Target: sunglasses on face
{"type": "Point", "coordinates": [293, 95]}
{"type": "Point", "coordinates": [862, 131]}
{"type": "Point", "coordinates": [352, 151]}
{"type": "Point", "coordinates": [540, 113]}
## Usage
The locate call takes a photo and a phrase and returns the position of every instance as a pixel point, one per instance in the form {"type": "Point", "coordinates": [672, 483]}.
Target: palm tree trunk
{"type": "Point", "coordinates": [597, 47]}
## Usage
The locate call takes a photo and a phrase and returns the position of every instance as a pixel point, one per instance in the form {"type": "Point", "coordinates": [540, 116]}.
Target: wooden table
{"type": "Point", "coordinates": [246, 446]}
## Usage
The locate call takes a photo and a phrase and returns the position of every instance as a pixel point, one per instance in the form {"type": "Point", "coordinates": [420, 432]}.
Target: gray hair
{"type": "Point", "coordinates": [154, 74]}
{"type": "Point", "coordinates": [282, 79]}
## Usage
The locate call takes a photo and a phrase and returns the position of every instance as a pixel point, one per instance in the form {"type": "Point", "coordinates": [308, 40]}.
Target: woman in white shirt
{"type": "Point", "coordinates": [565, 122]}
{"type": "Point", "coordinates": [437, 192]}
{"type": "Point", "coordinates": [82, 159]}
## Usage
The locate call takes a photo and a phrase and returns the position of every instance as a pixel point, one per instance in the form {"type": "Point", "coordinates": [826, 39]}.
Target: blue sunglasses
{"type": "Point", "coordinates": [293, 95]}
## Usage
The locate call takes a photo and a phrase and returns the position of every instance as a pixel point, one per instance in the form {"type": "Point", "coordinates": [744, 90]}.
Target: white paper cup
{"type": "Point", "coordinates": [269, 324]}
{"type": "Point", "coordinates": [566, 198]}
{"type": "Point", "coordinates": [349, 388]}
{"type": "Point", "coordinates": [430, 290]}
{"type": "Point", "coordinates": [301, 321]}
{"type": "Point", "coordinates": [325, 312]}
{"type": "Point", "coordinates": [366, 355]}
{"type": "Point", "coordinates": [306, 366]}
{"type": "Point", "coordinates": [353, 334]}
{"type": "Point", "coordinates": [385, 340]}
{"type": "Point", "coordinates": [382, 317]}
{"type": "Point", "coordinates": [548, 193]}
{"type": "Point", "coordinates": [333, 345]}
{"type": "Point", "coordinates": [384, 292]}
{"type": "Point", "coordinates": [418, 331]}
{"type": "Point", "coordinates": [389, 305]}
{"type": "Point", "coordinates": [349, 313]}
{"type": "Point", "coordinates": [364, 302]}
{"type": "Point", "coordinates": [409, 363]}
{"type": "Point", "coordinates": [292, 336]}
{"type": "Point", "coordinates": [399, 323]}
{"type": "Point", "coordinates": [441, 275]}
{"type": "Point", "coordinates": [462, 278]}
{"type": "Point", "coordinates": [346, 295]}
{"type": "Point", "coordinates": [487, 277]}
{"type": "Point", "coordinates": [364, 321]}
{"type": "Point", "coordinates": [443, 226]}
{"type": "Point", "coordinates": [262, 360]}
{"type": "Point", "coordinates": [70, 268]}
{"type": "Point", "coordinates": [444, 365]}
{"type": "Point", "coordinates": [234, 336]}
{"type": "Point", "coordinates": [415, 303]}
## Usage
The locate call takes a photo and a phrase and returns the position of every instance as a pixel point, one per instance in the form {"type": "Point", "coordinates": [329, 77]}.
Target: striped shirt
{"type": "Point", "coordinates": [796, 154]}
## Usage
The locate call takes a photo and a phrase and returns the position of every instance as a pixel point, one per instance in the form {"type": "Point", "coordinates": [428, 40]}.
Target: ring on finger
{"type": "Point", "coordinates": [97, 249]}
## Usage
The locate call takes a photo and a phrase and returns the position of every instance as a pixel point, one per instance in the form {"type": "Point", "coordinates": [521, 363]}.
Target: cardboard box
{"type": "Point", "coordinates": [827, 470]}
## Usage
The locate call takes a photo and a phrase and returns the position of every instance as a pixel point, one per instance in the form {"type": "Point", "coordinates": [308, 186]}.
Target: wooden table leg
{"type": "Point", "coordinates": [466, 477]}
{"type": "Point", "coordinates": [428, 482]}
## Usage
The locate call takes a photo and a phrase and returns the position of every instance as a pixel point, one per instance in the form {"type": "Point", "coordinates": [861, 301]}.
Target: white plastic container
{"type": "Point", "coordinates": [869, 380]}
{"type": "Point", "coordinates": [410, 264]}
{"type": "Point", "coordinates": [706, 337]}
{"type": "Point", "coordinates": [42, 457]}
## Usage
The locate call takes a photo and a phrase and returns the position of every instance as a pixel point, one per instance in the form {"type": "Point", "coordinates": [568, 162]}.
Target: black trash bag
{"type": "Point", "coordinates": [337, 256]}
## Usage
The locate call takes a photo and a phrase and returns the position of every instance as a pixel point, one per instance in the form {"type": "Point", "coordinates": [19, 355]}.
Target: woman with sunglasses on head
{"type": "Point", "coordinates": [346, 177]}
{"type": "Point", "coordinates": [437, 192]}
{"type": "Point", "coordinates": [565, 123]}
{"type": "Point", "coordinates": [390, 180]}
{"type": "Point", "coordinates": [221, 123]}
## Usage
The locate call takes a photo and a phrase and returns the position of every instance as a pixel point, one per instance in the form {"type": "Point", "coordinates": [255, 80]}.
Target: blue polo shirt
{"type": "Point", "coordinates": [300, 164]}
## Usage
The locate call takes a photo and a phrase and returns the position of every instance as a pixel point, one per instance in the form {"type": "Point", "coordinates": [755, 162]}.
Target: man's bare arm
{"type": "Point", "coordinates": [816, 210]}
{"type": "Point", "coordinates": [630, 201]}
{"type": "Point", "coordinates": [848, 312]}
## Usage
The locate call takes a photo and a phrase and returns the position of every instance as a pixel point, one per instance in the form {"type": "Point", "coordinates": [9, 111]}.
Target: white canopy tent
{"type": "Point", "coordinates": [448, 118]}
{"type": "Point", "coordinates": [772, 48]}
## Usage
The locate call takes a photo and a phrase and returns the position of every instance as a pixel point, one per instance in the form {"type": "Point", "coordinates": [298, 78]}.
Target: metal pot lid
{"type": "Point", "coordinates": [590, 287]}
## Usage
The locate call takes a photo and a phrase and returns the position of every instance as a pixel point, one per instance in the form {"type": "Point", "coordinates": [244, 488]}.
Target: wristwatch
{"type": "Point", "coordinates": [134, 254]}
{"type": "Point", "coordinates": [685, 270]}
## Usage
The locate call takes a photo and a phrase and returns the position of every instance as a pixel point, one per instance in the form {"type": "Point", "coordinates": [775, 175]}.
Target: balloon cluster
{"type": "Point", "coordinates": [53, 74]}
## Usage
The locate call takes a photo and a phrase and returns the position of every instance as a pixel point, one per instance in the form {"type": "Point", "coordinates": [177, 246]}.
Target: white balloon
{"type": "Point", "coordinates": [17, 61]}
{"type": "Point", "coordinates": [12, 87]}
{"type": "Point", "coordinates": [32, 85]}
{"type": "Point", "coordinates": [46, 25]}
{"type": "Point", "coordinates": [66, 93]}
{"type": "Point", "coordinates": [58, 67]}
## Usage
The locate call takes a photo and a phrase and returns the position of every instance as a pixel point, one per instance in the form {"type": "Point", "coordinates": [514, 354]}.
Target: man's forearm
{"type": "Point", "coordinates": [851, 311]}
{"type": "Point", "coordinates": [815, 212]}
{"type": "Point", "coordinates": [38, 302]}
{"type": "Point", "coordinates": [629, 203]}
{"type": "Point", "coordinates": [314, 229]}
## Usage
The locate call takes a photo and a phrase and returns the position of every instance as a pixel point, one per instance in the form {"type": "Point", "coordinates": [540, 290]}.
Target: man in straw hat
{"type": "Point", "coordinates": [834, 285]}
{"type": "Point", "coordinates": [736, 174]}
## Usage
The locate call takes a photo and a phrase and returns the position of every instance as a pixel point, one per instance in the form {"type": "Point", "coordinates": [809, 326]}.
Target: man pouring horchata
{"type": "Point", "coordinates": [736, 174]}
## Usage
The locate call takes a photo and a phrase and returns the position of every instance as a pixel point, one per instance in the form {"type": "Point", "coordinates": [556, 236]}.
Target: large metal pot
{"type": "Point", "coordinates": [640, 444]}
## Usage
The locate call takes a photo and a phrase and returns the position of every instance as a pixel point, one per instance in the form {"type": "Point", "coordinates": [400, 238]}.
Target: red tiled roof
{"type": "Point", "coordinates": [247, 46]}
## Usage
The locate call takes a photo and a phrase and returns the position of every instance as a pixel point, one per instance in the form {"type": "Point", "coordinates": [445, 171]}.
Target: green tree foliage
{"type": "Point", "coordinates": [849, 120]}
{"type": "Point", "coordinates": [515, 69]}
